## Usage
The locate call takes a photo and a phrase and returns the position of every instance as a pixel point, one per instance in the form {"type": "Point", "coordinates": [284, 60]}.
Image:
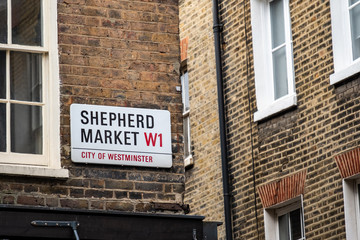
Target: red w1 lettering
{"type": "Point", "coordinates": [151, 139]}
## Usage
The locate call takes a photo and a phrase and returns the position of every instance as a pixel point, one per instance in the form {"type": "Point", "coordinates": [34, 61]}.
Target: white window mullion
{"type": "Point", "coordinates": [289, 49]}
{"type": "Point", "coordinates": [8, 135]}
{"type": "Point", "coordinates": [45, 107]}
{"type": "Point", "coordinates": [29, 49]}
{"type": "Point", "coordinates": [27, 103]}
{"type": "Point", "coordinates": [354, 5]}
{"type": "Point", "coordinates": [278, 47]}
{"type": "Point", "coordinates": [268, 55]}
{"type": "Point", "coordinates": [9, 30]}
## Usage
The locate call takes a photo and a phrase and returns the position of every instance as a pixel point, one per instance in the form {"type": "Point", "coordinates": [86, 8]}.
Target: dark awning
{"type": "Point", "coordinates": [15, 223]}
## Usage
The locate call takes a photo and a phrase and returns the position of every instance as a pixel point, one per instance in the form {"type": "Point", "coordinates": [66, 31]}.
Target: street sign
{"type": "Point", "coordinates": [120, 136]}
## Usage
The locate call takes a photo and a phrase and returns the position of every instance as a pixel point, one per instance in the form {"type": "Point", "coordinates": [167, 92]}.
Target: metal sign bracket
{"type": "Point", "coordinates": [72, 224]}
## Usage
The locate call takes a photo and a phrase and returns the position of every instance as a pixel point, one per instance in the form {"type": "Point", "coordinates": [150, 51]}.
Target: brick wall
{"type": "Point", "coordinates": [204, 191]}
{"type": "Point", "coordinates": [116, 53]}
{"type": "Point", "coordinates": [306, 138]}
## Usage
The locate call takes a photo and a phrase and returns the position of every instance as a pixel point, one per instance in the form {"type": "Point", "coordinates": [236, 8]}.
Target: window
{"type": "Point", "coordinates": [285, 221]}
{"type": "Point", "coordinates": [186, 118]}
{"type": "Point", "coordinates": [351, 189]}
{"type": "Point", "coordinates": [290, 224]}
{"type": "Point", "coordinates": [345, 22]}
{"type": "Point", "coordinates": [29, 94]}
{"type": "Point", "coordinates": [273, 58]}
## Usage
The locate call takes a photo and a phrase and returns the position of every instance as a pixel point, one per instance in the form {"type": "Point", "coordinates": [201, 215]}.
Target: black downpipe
{"type": "Point", "coordinates": [223, 141]}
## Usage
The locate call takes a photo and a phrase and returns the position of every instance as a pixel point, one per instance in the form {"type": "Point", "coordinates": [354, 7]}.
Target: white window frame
{"type": "Point", "coordinates": [351, 207]}
{"type": "Point", "coordinates": [188, 160]}
{"type": "Point", "coordinates": [272, 213]}
{"type": "Point", "coordinates": [48, 163]}
{"type": "Point", "coordinates": [344, 65]}
{"type": "Point", "coordinates": [261, 30]}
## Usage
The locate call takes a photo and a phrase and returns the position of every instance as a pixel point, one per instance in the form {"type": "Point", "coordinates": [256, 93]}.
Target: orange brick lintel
{"type": "Point", "coordinates": [282, 190]}
{"type": "Point", "coordinates": [184, 43]}
{"type": "Point", "coordinates": [348, 163]}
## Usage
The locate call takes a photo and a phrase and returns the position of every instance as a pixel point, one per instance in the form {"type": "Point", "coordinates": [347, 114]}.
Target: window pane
{"type": "Point", "coordinates": [185, 91]}
{"type": "Point", "coordinates": [295, 223]}
{"type": "Point", "coordinates": [25, 76]}
{"type": "Point", "coordinates": [3, 21]}
{"type": "Point", "coordinates": [284, 227]}
{"type": "Point", "coordinates": [26, 129]}
{"type": "Point", "coordinates": [358, 189]}
{"type": "Point", "coordinates": [277, 23]}
{"type": "Point", "coordinates": [2, 127]}
{"type": "Point", "coordinates": [26, 22]}
{"type": "Point", "coordinates": [187, 150]}
{"type": "Point", "coordinates": [351, 2]}
{"type": "Point", "coordinates": [355, 31]}
{"type": "Point", "coordinates": [2, 74]}
{"type": "Point", "coordinates": [280, 73]}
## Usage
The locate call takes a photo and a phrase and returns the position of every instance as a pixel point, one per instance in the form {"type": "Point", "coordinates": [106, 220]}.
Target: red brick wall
{"type": "Point", "coordinates": [116, 53]}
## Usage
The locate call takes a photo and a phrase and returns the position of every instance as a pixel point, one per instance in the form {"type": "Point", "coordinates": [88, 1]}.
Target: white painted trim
{"type": "Point", "coordinates": [279, 105]}
{"type": "Point", "coordinates": [33, 171]}
{"type": "Point", "coordinates": [349, 209]}
{"type": "Point", "coordinates": [188, 161]}
{"type": "Point", "coordinates": [345, 73]}
{"type": "Point", "coordinates": [271, 214]}
{"type": "Point", "coordinates": [264, 83]}
{"type": "Point", "coordinates": [270, 224]}
{"type": "Point", "coordinates": [29, 164]}
{"type": "Point", "coordinates": [344, 65]}
{"type": "Point", "coordinates": [54, 85]}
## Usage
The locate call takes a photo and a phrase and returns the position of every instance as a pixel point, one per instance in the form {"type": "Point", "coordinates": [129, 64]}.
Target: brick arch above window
{"type": "Point", "coordinates": [348, 163]}
{"type": "Point", "coordinates": [283, 189]}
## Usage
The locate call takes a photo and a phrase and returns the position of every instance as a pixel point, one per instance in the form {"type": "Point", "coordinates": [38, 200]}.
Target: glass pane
{"type": "Point", "coordinates": [26, 129]}
{"type": "Point", "coordinates": [280, 73]}
{"type": "Point", "coordinates": [351, 2]}
{"type": "Point", "coordinates": [185, 91]}
{"type": "Point", "coordinates": [2, 74]}
{"type": "Point", "coordinates": [3, 21]}
{"type": "Point", "coordinates": [295, 223]}
{"type": "Point", "coordinates": [25, 76]}
{"type": "Point", "coordinates": [277, 23]}
{"type": "Point", "coordinates": [284, 227]}
{"type": "Point", "coordinates": [26, 22]}
{"type": "Point", "coordinates": [358, 189]}
{"type": "Point", "coordinates": [187, 150]}
{"type": "Point", "coordinates": [355, 31]}
{"type": "Point", "coordinates": [2, 127]}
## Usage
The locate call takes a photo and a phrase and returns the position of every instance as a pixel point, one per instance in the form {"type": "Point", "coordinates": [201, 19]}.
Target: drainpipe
{"type": "Point", "coordinates": [223, 142]}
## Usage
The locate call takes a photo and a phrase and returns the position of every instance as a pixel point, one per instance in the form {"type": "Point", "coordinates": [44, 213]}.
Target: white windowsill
{"type": "Point", "coordinates": [188, 161]}
{"type": "Point", "coordinates": [34, 171]}
{"type": "Point", "coordinates": [276, 107]}
{"type": "Point", "coordinates": [345, 73]}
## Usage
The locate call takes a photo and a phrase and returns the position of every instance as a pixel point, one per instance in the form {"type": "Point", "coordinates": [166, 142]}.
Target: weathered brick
{"type": "Point", "coordinates": [74, 203]}
{"type": "Point", "coordinates": [152, 187]}
{"type": "Point", "coordinates": [116, 53]}
{"type": "Point", "coordinates": [8, 199]}
{"type": "Point", "coordinates": [30, 200]}
{"type": "Point", "coordinates": [98, 194]}
{"type": "Point", "coordinates": [120, 206]}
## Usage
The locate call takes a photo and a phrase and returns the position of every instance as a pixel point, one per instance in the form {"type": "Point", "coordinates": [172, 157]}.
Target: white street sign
{"type": "Point", "coordinates": [120, 136]}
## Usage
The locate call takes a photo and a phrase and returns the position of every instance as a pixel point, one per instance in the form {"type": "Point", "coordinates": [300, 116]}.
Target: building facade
{"type": "Point", "coordinates": [58, 54]}
{"type": "Point", "coordinates": [291, 93]}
